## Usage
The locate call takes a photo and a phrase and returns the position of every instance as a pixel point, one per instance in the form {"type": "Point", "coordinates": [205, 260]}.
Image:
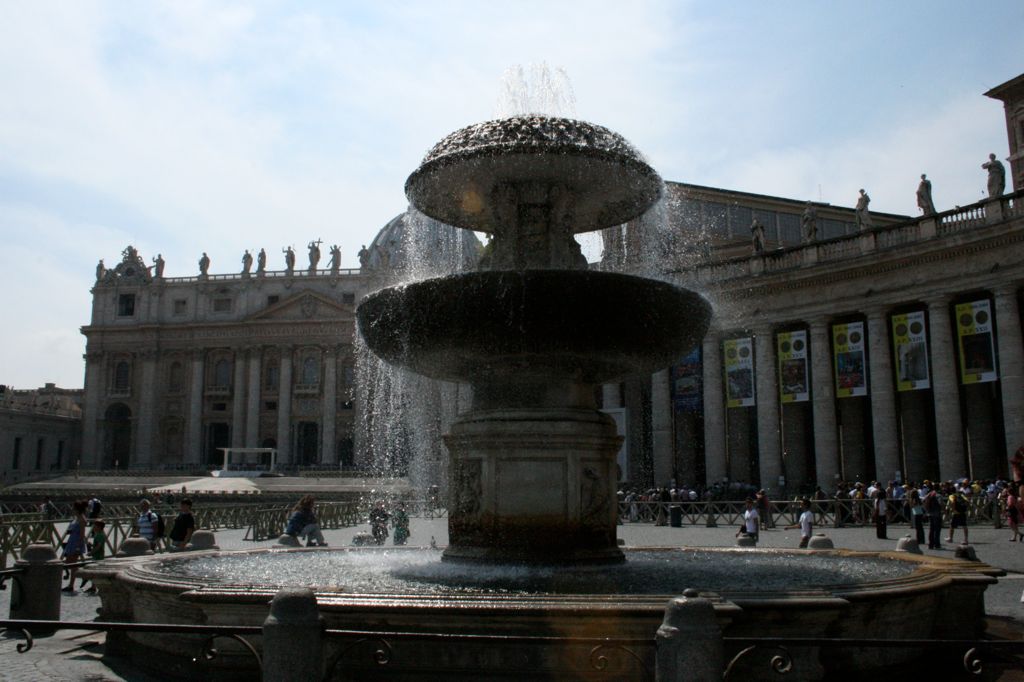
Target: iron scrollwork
{"type": "Point", "coordinates": [22, 647]}
{"type": "Point", "coordinates": [381, 654]}
{"type": "Point", "coordinates": [781, 663]}
{"type": "Point", "coordinates": [599, 657]}
{"type": "Point", "coordinates": [208, 653]}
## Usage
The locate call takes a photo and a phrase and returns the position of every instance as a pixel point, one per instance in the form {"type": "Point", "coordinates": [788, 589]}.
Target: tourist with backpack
{"type": "Point", "coordinates": [933, 508]}
{"type": "Point", "coordinates": [149, 524]}
{"type": "Point", "coordinates": [957, 507]}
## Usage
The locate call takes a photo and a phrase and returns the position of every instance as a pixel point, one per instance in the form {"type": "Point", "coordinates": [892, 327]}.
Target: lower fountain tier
{"type": "Point", "coordinates": [533, 486]}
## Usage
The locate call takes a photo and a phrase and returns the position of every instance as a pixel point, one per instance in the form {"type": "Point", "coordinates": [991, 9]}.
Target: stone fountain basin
{"type": "Point", "coordinates": [916, 601]}
{"type": "Point", "coordinates": [544, 325]}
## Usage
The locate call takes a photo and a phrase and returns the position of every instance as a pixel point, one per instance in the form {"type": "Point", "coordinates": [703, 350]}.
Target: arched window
{"type": "Point", "coordinates": [175, 377]}
{"type": "Point", "coordinates": [222, 374]}
{"type": "Point", "coordinates": [122, 376]}
{"type": "Point", "coordinates": [310, 371]}
{"type": "Point", "coordinates": [270, 376]}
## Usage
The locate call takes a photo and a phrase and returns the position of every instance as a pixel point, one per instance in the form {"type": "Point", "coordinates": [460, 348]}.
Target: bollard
{"type": "Point", "coordinates": [909, 544]}
{"type": "Point", "coordinates": [966, 552]}
{"type": "Point", "coordinates": [288, 541]}
{"type": "Point", "coordinates": [820, 541]}
{"type": "Point", "coordinates": [203, 539]}
{"type": "Point", "coordinates": [137, 546]}
{"type": "Point", "coordinates": [293, 637]}
{"type": "Point", "coordinates": [36, 592]}
{"type": "Point", "coordinates": [746, 540]}
{"type": "Point", "coordinates": [689, 641]}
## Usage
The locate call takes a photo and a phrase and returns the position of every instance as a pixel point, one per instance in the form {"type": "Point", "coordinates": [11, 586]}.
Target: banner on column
{"type": "Point", "coordinates": [687, 383]}
{"type": "Point", "coordinates": [910, 344]}
{"type": "Point", "coordinates": [977, 351]}
{"type": "Point", "coordinates": [848, 342]}
{"type": "Point", "coordinates": [792, 351]}
{"type": "Point", "coordinates": [739, 372]}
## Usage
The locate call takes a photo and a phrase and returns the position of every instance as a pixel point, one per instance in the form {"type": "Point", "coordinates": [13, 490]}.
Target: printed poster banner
{"type": "Point", "coordinates": [739, 372]}
{"type": "Point", "coordinates": [792, 352]}
{"type": "Point", "coordinates": [977, 351]}
{"type": "Point", "coordinates": [687, 383]}
{"type": "Point", "coordinates": [848, 343]}
{"type": "Point", "coordinates": [910, 343]}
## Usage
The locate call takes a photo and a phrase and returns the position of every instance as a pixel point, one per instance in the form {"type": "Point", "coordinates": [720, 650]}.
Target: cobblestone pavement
{"type": "Point", "coordinates": [77, 655]}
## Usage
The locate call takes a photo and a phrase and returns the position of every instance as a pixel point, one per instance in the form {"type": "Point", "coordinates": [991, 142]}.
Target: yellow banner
{"type": "Point", "coordinates": [977, 351]}
{"type": "Point", "coordinates": [848, 358]}
{"type": "Point", "coordinates": [910, 346]}
{"type": "Point", "coordinates": [792, 355]}
{"type": "Point", "coordinates": [738, 356]}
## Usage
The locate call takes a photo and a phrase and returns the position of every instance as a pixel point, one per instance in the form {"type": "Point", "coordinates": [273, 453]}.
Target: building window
{"type": "Point", "coordinates": [126, 305]}
{"type": "Point", "coordinates": [270, 377]}
{"type": "Point", "coordinates": [271, 300]}
{"type": "Point", "coordinates": [180, 306]}
{"type": "Point", "coordinates": [16, 459]}
{"type": "Point", "coordinates": [122, 377]}
{"type": "Point", "coordinates": [348, 375]}
{"type": "Point", "coordinates": [222, 374]}
{"type": "Point", "coordinates": [175, 377]}
{"type": "Point", "coordinates": [40, 446]}
{"type": "Point", "coordinates": [270, 406]}
{"type": "Point", "coordinates": [220, 407]}
{"type": "Point", "coordinates": [60, 455]}
{"type": "Point", "coordinates": [222, 305]}
{"type": "Point", "coordinates": [310, 371]}
{"type": "Point", "coordinates": [348, 298]}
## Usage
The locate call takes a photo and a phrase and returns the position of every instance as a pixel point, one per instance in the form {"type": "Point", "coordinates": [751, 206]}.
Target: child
{"type": "Point", "coordinates": [98, 549]}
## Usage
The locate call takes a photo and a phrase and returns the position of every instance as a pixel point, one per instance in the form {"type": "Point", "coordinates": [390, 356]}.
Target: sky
{"type": "Point", "coordinates": [190, 126]}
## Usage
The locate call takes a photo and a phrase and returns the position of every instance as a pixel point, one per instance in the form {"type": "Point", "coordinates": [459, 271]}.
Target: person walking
{"type": "Point", "coordinates": [751, 521]}
{"type": "Point", "coordinates": [400, 522]}
{"type": "Point", "coordinates": [74, 544]}
{"type": "Point", "coordinates": [805, 523]}
{"type": "Point", "coordinates": [880, 514]}
{"type": "Point", "coordinates": [1010, 504]}
{"type": "Point", "coordinates": [957, 507]}
{"type": "Point", "coordinates": [933, 508]}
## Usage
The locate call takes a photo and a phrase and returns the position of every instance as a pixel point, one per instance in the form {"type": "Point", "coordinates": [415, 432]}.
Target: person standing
{"type": "Point", "coordinates": [1009, 499]}
{"type": "Point", "coordinates": [957, 507]}
{"type": "Point", "coordinates": [917, 514]}
{"type": "Point", "coordinates": [147, 523]}
{"type": "Point", "coordinates": [751, 522]}
{"type": "Point", "coordinates": [74, 544]}
{"type": "Point", "coordinates": [805, 523]}
{"type": "Point", "coordinates": [379, 523]}
{"type": "Point", "coordinates": [933, 508]}
{"type": "Point", "coordinates": [879, 513]}
{"type": "Point", "coordinates": [400, 522]}
{"type": "Point", "coordinates": [184, 525]}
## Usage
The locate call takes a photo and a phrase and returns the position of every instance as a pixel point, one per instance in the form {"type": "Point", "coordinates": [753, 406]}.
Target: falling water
{"type": "Point", "coordinates": [544, 91]}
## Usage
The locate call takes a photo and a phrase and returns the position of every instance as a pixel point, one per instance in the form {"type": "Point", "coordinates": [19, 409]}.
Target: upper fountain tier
{"type": "Point", "coordinates": [591, 177]}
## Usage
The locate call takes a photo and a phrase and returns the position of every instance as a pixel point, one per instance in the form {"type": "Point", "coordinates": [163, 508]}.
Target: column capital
{"type": "Point", "coordinates": [934, 302]}
{"type": "Point", "coordinates": [93, 356]}
{"type": "Point", "coordinates": [877, 310]}
{"type": "Point", "coordinates": [819, 325]}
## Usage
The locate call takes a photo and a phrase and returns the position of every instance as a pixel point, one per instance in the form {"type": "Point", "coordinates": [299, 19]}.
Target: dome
{"type": "Point", "coordinates": [412, 241]}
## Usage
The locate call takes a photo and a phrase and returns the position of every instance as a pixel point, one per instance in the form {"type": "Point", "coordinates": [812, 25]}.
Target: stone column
{"type": "Point", "coordinates": [194, 441]}
{"type": "Point", "coordinates": [91, 415]}
{"type": "Point", "coordinates": [284, 407]}
{"type": "Point", "coordinates": [252, 416]}
{"type": "Point", "coordinates": [1011, 365]}
{"type": "Point", "coordinates": [661, 427]}
{"type": "Point", "coordinates": [883, 400]}
{"type": "Point", "coordinates": [826, 442]}
{"type": "Point", "coordinates": [329, 411]}
{"type": "Point", "coordinates": [611, 396]}
{"type": "Point", "coordinates": [949, 432]}
{"type": "Point", "coordinates": [143, 454]}
{"type": "Point", "coordinates": [238, 399]}
{"type": "Point", "coordinates": [769, 453]}
{"type": "Point", "coordinates": [714, 409]}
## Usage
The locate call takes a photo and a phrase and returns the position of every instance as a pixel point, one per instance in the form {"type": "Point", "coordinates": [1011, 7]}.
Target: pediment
{"type": "Point", "coordinates": [304, 306]}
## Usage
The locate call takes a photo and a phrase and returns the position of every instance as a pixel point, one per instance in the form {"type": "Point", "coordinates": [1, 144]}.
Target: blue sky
{"type": "Point", "coordinates": [193, 126]}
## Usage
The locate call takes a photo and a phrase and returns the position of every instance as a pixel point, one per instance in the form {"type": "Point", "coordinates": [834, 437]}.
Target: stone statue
{"type": "Point", "coordinates": [364, 257]}
{"type": "Point", "coordinates": [924, 196]}
{"type": "Point", "coordinates": [158, 266]}
{"type": "Point", "coordinates": [996, 176]}
{"type": "Point", "coordinates": [314, 255]}
{"type": "Point", "coordinates": [757, 235]}
{"type": "Point", "coordinates": [863, 216]}
{"type": "Point", "coordinates": [809, 223]}
{"type": "Point", "coordinates": [101, 271]}
{"type": "Point", "coordinates": [204, 265]}
{"type": "Point", "coordinates": [335, 261]}
{"type": "Point", "coordinates": [289, 260]}
{"type": "Point", "coordinates": [261, 262]}
{"type": "Point", "coordinates": [246, 262]}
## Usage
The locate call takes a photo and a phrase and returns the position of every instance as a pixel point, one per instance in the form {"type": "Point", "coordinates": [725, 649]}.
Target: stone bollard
{"type": "Point", "coordinates": [908, 544]}
{"type": "Point", "coordinates": [288, 541]}
{"type": "Point", "coordinates": [203, 539]}
{"type": "Point", "coordinates": [966, 552]}
{"type": "Point", "coordinates": [820, 541]}
{"type": "Point", "coordinates": [293, 637]}
{"type": "Point", "coordinates": [137, 546]}
{"type": "Point", "coordinates": [36, 592]}
{"type": "Point", "coordinates": [689, 641]}
{"type": "Point", "coordinates": [745, 540]}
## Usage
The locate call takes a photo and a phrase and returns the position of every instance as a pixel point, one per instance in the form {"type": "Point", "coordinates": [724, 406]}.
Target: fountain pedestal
{"type": "Point", "coordinates": [533, 486]}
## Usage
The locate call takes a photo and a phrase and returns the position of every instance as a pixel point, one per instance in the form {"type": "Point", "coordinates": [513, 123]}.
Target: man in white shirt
{"type": "Point", "coordinates": [146, 522]}
{"type": "Point", "coordinates": [805, 523]}
{"type": "Point", "coordinates": [751, 521]}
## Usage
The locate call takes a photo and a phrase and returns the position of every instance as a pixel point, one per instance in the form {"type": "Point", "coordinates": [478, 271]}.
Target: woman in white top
{"type": "Point", "coordinates": [880, 514]}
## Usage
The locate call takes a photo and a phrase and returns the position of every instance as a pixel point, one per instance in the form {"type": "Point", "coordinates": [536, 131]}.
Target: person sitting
{"type": "Point", "coordinates": [184, 525]}
{"type": "Point", "coordinates": [302, 523]}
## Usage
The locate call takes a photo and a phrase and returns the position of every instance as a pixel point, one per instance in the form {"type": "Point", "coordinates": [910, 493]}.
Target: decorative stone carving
{"type": "Point", "coordinates": [996, 176]}
{"type": "Point", "coordinates": [314, 255]}
{"type": "Point", "coordinates": [924, 196]}
{"type": "Point", "coordinates": [204, 265]}
{"type": "Point", "coordinates": [809, 223]}
{"type": "Point", "coordinates": [247, 262]}
{"type": "Point", "coordinates": [468, 487]}
{"type": "Point", "coordinates": [757, 236]}
{"type": "Point", "coordinates": [261, 262]}
{"type": "Point", "coordinates": [364, 257]}
{"type": "Point", "coordinates": [335, 262]}
{"type": "Point", "coordinates": [289, 259]}
{"type": "Point", "coordinates": [158, 266]}
{"type": "Point", "coordinates": [593, 497]}
{"type": "Point", "coordinates": [862, 218]}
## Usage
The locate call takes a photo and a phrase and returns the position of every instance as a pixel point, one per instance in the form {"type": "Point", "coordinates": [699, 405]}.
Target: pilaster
{"type": "Point", "coordinates": [194, 441]}
{"type": "Point", "coordinates": [769, 451]}
{"type": "Point", "coordinates": [143, 454]}
{"type": "Point", "coordinates": [284, 407]}
{"type": "Point", "coordinates": [826, 442]}
{"type": "Point", "coordinates": [1011, 364]}
{"type": "Point", "coordinates": [329, 412]}
{"type": "Point", "coordinates": [94, 385]}
{"type": "Point", "coordinates": [714, 409]}
{"type": "Point", "coordinates": [238, 399]}
{"type": "Point", "coordinates": [252, 417]}
{"type": "Point", "coordinates": [949, 432]}
{"type": "Point", "coordinates": [883, 399]}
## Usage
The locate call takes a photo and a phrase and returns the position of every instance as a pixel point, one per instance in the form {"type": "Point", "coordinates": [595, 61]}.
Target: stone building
{"type": "Point", "coordinates": [177, 367]}
{"type": "Point", "coordinates": [40, 431]}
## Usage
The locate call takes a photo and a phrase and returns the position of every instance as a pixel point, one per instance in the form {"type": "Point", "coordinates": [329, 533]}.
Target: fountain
{"type": "Point", "coordinates": [532, 524]}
